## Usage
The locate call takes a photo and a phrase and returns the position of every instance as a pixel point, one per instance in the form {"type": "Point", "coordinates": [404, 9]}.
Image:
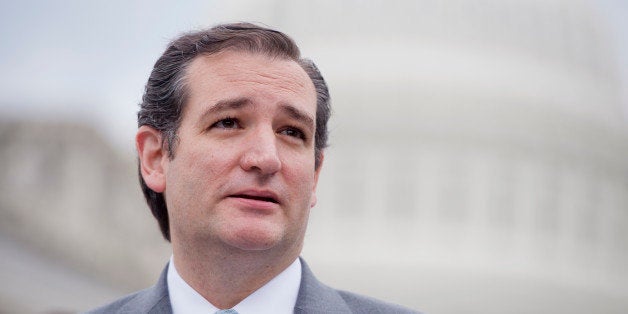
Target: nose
{"type": "Point", "coordinates": [260, 153]}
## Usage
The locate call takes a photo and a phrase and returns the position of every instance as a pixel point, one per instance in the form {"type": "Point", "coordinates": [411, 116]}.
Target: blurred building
{"type": "Point", "coordinates": [474, 137]}
{"type": "Point", "coordinates": [476, 162]}
{"type": "Point", "coordinates": [74, 231]}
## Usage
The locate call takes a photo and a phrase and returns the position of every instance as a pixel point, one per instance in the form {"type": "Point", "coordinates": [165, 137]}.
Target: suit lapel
{"type": "Point", "coordinates": [153, 300]}
{"type": "Point", "coordinates": [315, 297]}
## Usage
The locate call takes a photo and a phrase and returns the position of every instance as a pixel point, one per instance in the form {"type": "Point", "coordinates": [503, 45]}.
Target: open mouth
{"type": "Point", "coordinates": [257, 198]}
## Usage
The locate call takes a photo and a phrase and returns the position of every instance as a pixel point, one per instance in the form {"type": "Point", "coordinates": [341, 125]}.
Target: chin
{"type": "Point", "coordinates": [255, 238]}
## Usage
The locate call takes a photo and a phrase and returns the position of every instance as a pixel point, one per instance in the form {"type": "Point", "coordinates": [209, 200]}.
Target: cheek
{"type": "Point", "coordinates": [195, 179]}
{"type": "Point", "coordinates": [202, 163]}
{"type": "Point", "coordinates": [190, 173]}
{"type": "Point", "coordinates": [300, 178]}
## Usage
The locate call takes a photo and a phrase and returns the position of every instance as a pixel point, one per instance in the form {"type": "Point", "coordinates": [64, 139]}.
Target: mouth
{"type": "Point", "coordinates": [257, 197]}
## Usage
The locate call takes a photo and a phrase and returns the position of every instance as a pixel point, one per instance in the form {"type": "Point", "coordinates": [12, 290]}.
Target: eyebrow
{"type": "Point", "coordinates": [228, 104]}
{"type": "Point", "coordinates": [297, 115]}
{"type": "Point", "coordinates": [224, 105]}
{"type": "Point", "coordinates": [238, 103]}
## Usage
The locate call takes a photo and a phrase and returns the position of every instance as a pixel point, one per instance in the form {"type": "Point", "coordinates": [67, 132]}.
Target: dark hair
{"type": "Point", "coordinates": [165, 93]}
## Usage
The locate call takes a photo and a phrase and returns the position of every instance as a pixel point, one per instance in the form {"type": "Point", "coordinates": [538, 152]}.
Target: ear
{"type": "Point", "coordinates": [153, 156]}
{"type": "Point", "coordinates": [317, 172]}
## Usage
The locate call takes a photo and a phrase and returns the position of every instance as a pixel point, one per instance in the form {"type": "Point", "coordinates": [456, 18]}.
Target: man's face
{"type": "Point", "coordinates": [243, 172]}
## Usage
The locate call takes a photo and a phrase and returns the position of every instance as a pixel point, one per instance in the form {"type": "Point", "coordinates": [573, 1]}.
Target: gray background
{"type": "Point", "coordinates": [477, 158]}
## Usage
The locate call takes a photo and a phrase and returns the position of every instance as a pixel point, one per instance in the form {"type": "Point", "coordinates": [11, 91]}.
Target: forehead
{"type": "Point", "coordinates": [233, 74]}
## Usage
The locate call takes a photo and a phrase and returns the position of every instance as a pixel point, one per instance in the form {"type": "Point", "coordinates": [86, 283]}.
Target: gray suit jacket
{"type": "Point", "coordinates": [314, 297]}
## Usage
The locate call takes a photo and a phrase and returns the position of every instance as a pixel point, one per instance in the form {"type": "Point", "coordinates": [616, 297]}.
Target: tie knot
{"type": "Point", "coordinates": [227, 311]}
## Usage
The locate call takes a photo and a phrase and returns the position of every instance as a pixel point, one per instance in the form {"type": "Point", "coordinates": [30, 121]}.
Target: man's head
{"type": "Point", "coordinates": [168, 90]}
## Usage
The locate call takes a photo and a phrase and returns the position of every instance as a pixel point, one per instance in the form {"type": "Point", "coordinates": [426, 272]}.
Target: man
{"type": "Point", "coordinates": [232, 128]}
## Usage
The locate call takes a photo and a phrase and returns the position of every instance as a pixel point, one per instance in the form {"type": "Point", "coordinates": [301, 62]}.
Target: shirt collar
{"type": "Point", "coordinates": [277, 296]}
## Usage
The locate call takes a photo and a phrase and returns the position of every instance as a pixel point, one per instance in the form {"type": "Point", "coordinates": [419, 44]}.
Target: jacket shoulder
{"type": "Point", "coordinates": [151, 300]}
{"type": "Point", "coordinates": [117, 305]}
{"type": "Point", "coordinates": [316, 297]}
{"type": "Point", "coordinates": [363, 304]}
{"type": "Point", "coordinates": [144, 301]}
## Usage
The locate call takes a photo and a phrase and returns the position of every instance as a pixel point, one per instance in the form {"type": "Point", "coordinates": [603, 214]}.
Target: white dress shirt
{"type": "Point", "coordinates": [277, 296]}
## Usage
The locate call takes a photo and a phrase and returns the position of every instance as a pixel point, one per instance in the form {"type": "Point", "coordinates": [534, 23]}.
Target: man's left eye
{"type": "Point", "coordinates": [293, 132]}
{"type": "Point", "coordinates": [227, 123]}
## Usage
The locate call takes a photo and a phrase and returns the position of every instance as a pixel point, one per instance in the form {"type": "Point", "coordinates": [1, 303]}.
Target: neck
{"type": "Point", "coordinates": [226, 277]}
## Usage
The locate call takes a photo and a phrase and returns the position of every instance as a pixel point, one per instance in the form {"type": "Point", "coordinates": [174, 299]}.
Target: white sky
{"type": "Point", "coordinates": [90, 59]}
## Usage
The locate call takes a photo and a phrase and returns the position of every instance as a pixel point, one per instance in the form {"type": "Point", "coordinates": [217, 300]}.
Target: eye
{"type": "Point", "coordinates": [227, 123]}
{"type": "Point", "coordinates": [293, 132]}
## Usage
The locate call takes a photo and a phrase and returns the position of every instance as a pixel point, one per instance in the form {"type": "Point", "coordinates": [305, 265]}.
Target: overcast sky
{"type": "Point", "coordinates": [90, 59]}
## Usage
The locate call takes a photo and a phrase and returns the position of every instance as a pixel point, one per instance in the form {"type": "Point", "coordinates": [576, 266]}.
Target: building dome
{"type": "Point", "coordinates": [483, 136]}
